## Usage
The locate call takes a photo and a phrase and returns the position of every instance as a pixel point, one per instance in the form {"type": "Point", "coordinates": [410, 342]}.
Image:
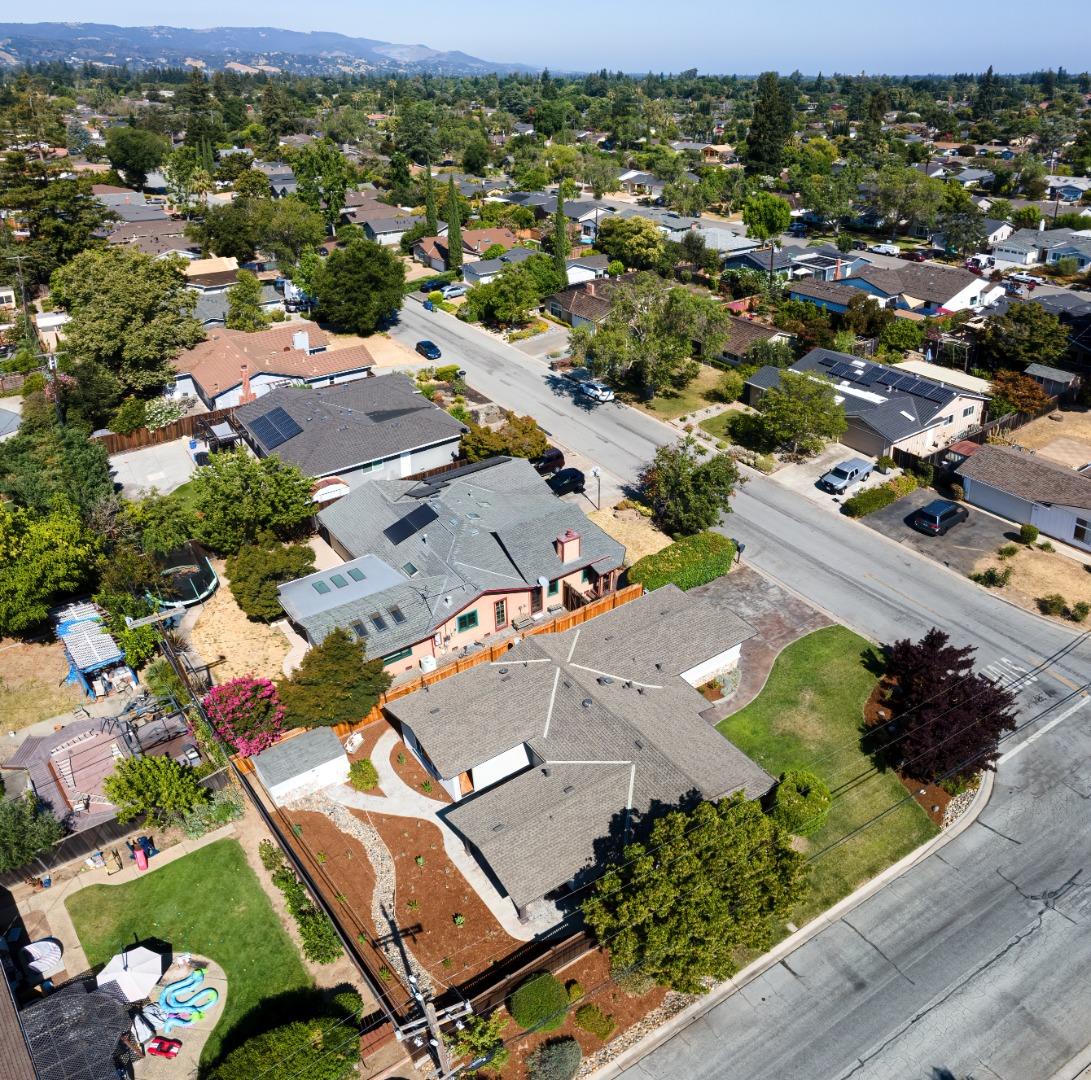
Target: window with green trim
{"type": "Point", "coordinates": [554, 588]}
{"type": "Point", "coordinates": [467, 620]}
{"type": "Point", "coordinates": [394, 657]}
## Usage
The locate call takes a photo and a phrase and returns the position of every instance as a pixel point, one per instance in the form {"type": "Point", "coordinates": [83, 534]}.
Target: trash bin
{"type": "Point", "coordinates": [429, 306]}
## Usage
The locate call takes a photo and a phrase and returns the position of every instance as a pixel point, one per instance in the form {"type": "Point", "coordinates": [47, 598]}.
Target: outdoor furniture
{"type": "Point", "coordinates": [135, 971]}
{"type": "Point", "coordinates": [41, 960]}
{"type": "Point", "coordinates": [113, 863]}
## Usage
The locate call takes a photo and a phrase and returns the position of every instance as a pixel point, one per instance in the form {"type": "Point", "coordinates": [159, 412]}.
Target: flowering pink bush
{"type": "Point", "coordinates": [246, 714]}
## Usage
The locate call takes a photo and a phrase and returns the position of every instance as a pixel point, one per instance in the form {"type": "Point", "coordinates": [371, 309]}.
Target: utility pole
{"type": "Point", "coordinates": [432, 1021]}
{"type": "Point", "coordinates": [19, 260]}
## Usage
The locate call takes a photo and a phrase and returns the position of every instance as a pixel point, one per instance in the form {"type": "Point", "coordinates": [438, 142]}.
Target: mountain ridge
{"type": "Point", "coordinates": [259, 47]}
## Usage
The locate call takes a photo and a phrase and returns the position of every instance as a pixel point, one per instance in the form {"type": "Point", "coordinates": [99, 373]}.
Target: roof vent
{"type": "Point", "coordinates": [640, 689]}
{"type": "Point", "coordinates": [503, 671]}
{"type": "Point", "coordinates": [498, 827]}
{"type": "Point", "coordinates": [658, 666]}
{"type": "Point", "coordinates": [434, 711]}
{"type": "Point", "coordinates": [604, 680]}
{"type": "Point", "coordinates": [638, 744]}
{"type": "Point", "coordinates": [545, 772]}
{"type": "Point", "coordinates": [587, 703]}
{"type": "Point", "coordinates": [627, 684]}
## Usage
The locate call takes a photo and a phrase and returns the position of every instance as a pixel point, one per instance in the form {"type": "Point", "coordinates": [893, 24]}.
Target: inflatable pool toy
{"type": "Point", "coordinates": [185, 1000]}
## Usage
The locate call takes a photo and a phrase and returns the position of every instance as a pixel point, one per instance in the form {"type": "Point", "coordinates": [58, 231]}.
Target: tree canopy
{"type": "Point", "coordinates": [635, 241]}
{"type": "Point", "coordinates": [244, 310]}
{"type": "Point", "coordinates": [1024, 334]}
{"type": "Point", "coordinates": [518, 436]}
{"type": "Point", "coordinates": [26, 830]}
{"type": "Point", "coordinates": [324, 179]}
{"type": "Point", "coordinates": [135, 152]}
{"type": "Point", "coordinates": [257, 569]}
{"type": "Point", "coordinates": [359, 286]}
{"type": "Point", "coordinates": [707, 883]}
{"type": "Point", "coordinates": [155, 785]}
{"type": "Point", "coordinates": [688, 494]}
{"type": "Point", "coordinates": [801, 414]}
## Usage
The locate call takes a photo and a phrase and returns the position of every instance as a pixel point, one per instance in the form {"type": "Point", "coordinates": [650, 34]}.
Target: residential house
{"type": "Point", "coordinates": [212, 275]}
{"type": "Point", "coordinates": [927, 288]}
{"type": "Point", "coordinates": [585, 304]}
{"type": "Point", "coordinates": [1028, 247]}
{"type": "Point", "coordinates": [282, 180]}
{"type": "Point", "coordinates": [1027, 489]}
{"type": "Point", "coordinates": [673, 226]}
{"type": "Point", "coordinates": [587, 268]}
{"type": "Point", "coordinates": [126, 204]}
{"type": "Point", "coordinates": [708, 153]}
{"type": "Point", "coordinates": [432, 251]}
{"type": "Point", "coordinates": [569, 746]}
{"type": "Point", "coordinates": [231, 366]}
{"type": "Point", "coordinates": [743, 334]}
{"type": "Point", "coordinates": [724, 240]}
{"type": "Point", "coordinates": [996, 231]}
{"type": "Point", "coordinates": [370, 429]}
{"type": "Point", "coordinates": [1054, 381]}
{"type": "Point", "coordinates": [975, 178]}
{"type": "Point", "coordinates": [49, 326]}
{"type": "Point", "coordinates": [1068, 188]}
{"type": "Point", "coordinates": [212, 304]}
{"type": "Point", "coordinates": [1077, 249]}
{"type": "Point", "coordinates": [389, 229]}
{"type": "Point", "coordinates": [954, 377]}
{"type": "Point", "coordinates": [832, 296]}
{"type": "Point", "coordinates": [886, 409]}
{"type": "Point", "coordinates": [485, 270]}
{"type": "Point", "coordinates": [438, 565]}
{"type": "Point", "coordinates": [824, 263]}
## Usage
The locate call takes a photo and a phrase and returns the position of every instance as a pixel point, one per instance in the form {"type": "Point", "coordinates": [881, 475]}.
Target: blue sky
{"type": "Point", "coordinates": [895, 36]}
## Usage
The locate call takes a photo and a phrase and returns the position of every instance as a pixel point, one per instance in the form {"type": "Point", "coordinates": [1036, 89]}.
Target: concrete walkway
{"type": "Point", "coordinates": [401, 800]}
{"type": "Point", "coordinates": [298, 644]}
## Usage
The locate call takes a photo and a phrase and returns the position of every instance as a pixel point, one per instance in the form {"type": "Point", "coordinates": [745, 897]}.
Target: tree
{"type": "Point", "coordinates": [359, 286]}
{"type": "Point", "coordinates": [1026, 217]}
{"type": "Point", "coordinates": [475, 155]}
{"type": "Point", "coordinates": [776, 353]}
{"type": "Point", "coordinates": [277, 1053]}
{"type": "Point", "coordinates": [156, 786]}
{"type": "Point", "coordinates": [986, 99]}
{"type": "Point", "coordinates": [163, 523]}
{"type": "Point", "coordinates": [431, 219]}
{"type": "Point", "coordinates": [964, 231]}
{"type": "Point", "coordinates": [901, 335]}
{"type": "Point", "coordinates": [246, 713]}
{"type": "Point", "coordinates": [253, 184]}
{"type": "Point", "coordinates": [481, 1038]}
{"type": "Point", "coordinates": [244, 310]}
{"type": "Point", "coordinates": [131, 314]}
{"type": "Point", "coordinates": [904, 194]}
{"type": "Point", "coordinates": [707, 883]}
{"type": "Point", "coordinates": [946, 719]}
{"type": "Point", "coordinates": [1024, 334]}
{"type": "Point", "coordinates": [335, 683]}
{"type": "Point", "coordinates": [636, 241]}
{"type": "Point", "coordinates": [801, 414]}
{"type": "Point", "coordinates": [766, 216]}
{"type": "Point", "coordinates": [562, 246]}
{"type": "Point", "coordinates": [555, 1059]}
{"type": "Point", "coordinates": [256, 571]}
{"type": "Point", "coordinates": [454, 228]}
{"type": "Point", "coordinates": [1014, 392]}
{"type": "Point", "coordinates": [285, 228]}
{"type": "Point", "coordinates": [42, 558]}
{"type": "Point", "coordinates": [26, 830]}
{"type": "Point", "coordinates": [135, 152]}
{"type": "Point", "coordinates": [771, 127]}
{"type": "Point", "coordinates": [518, 436]}
{"type": "Point", "coordinates": [230, 231]}
{"type": "Point", "coordinates": [688, 495]}
{"type": "Point", "coordinates": [324, 178]}
{"type": "Point", "coordinates": [238, 497]}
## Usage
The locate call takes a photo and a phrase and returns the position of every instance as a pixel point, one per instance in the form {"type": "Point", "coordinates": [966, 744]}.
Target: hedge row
{"type": "Point", "coordinates": [687, 563]}
{"type": "Point", "coordinates": [867, 502]}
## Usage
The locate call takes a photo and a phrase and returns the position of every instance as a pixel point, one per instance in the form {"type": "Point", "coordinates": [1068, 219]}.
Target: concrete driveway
{"type": "Point", "coordinates": [803, 478]}
{"type": "Point", "coordinates": [554, 340]}
{"type": "Point", "coordinates": [960, 549]}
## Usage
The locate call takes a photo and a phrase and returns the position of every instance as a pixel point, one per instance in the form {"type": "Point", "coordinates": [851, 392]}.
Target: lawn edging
{"type": "Point", "coordinates": [788, 945]}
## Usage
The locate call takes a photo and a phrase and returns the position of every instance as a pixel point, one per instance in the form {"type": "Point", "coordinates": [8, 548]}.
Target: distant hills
{"type": "Point", "coordinates": [247, 49]}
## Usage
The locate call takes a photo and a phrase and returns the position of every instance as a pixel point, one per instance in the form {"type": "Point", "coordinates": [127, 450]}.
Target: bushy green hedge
{"type": "Point", "coordinates": [867, 502]}
{"type": "Point", "coordinates": [363, 775]}
{"type": "Point", "coordinates": [801, 802]}
{"type": "Point", "coordinates": [540, 1003]}
{"type": "Point", "coordinates": [687, 563]}
{"type": "Point", "coordinates": [558, 1059]}
{"type": "Point", "coordinates": [591, 1018]}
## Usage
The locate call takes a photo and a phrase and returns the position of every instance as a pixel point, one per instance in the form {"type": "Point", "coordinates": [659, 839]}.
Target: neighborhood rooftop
{"type": "Point", "coordinates": [1029, 477]}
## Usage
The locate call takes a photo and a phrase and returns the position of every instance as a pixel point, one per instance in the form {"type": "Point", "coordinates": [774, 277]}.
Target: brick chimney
{"type": "Point", "coordinates": [837, 271]}
{"type": "Point", "coordinates": [247, 394]}
{"type": "Point", "coordinates": [567, 546]}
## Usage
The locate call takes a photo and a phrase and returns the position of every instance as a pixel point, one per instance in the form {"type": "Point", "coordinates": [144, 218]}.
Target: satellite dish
{"type": "Point", "coordinates": [544, 582]}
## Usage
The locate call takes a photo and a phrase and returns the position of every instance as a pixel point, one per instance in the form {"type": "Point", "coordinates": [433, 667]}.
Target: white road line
{"type": "Point", "coordinates": [1045, 727]}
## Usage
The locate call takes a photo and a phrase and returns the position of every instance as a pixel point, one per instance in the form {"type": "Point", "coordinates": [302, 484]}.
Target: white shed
{"type": "Point", "coordinates": [302, 765]}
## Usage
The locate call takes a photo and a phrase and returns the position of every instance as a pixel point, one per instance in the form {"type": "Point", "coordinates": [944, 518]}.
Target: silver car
{"type": "Point", "coordinates": [596, 391]}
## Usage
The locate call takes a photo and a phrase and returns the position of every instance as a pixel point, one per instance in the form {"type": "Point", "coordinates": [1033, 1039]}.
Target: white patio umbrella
{"type": "Point", "coordinates": [135, 971]}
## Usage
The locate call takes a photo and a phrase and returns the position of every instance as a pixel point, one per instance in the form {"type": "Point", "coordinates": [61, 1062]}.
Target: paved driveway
{"type": "Point", "coordinates": [960, 549]}
{"type": "Point", "coordinates": [803, 478]}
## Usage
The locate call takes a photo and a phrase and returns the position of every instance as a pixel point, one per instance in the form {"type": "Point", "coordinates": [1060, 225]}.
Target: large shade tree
{"type": "Point", "coordinates": [688, 494]}
{"type": "Point", "coordinates": [359, 286]}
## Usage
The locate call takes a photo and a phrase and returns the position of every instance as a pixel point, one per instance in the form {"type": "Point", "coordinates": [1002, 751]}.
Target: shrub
{"type": "Point", "coordinates": [362, 775]}
{"type": "Point", "coordinates": [1045, 545]}
{"type": "Point", "coordinates": [1028, 534]}
{"type": "Point", "coordinates": [276, 1054]}
{"type": "Point", "coordinates": [925, 473]}
{"type": "Point", "coordinates": [1080, 610]}
{"type": "Point", "coordinates": [1008, 550]}
{"type": "Point", "coordinates": [458, 919]}
{"type": "Point", "coordinates": [764, 463]}
{"type": "Point", "coordinates": [591, 1018]}
{"type": "Point", "coordinates": [958, 492]}
{"type": "Point", "coordinates": [246, 713]}
{"type": "Point", "coordinates": [993, 577]}
{"type": "Point", "coordinates": [162, 411]}
{"type": "Point", "coordinates": [801, 802]}
{"type": "Point", "coordinates": [257, 569]}
{"type": "Point", "coordinates": [687, 563]}
{"type": "Point", "coordinates": [867, 502]}
{"type": "Point", "coordinates": [1053, 604]}
{"type": "Point", "coordinates": [540, 1003]}
{"type": "Point", "coordinates": [128, 417]}
{"type": "Point", "coordinates": [632, 981]}
{"type": "Point", "coordinates": [318, 937]}
{"type": "Point", "coordinates": [272, 858]}
{"type": "Point", "coordinates": [574, 989]}
{"type": "Point", "coordinates": [448, 373]}
{"type": "Point", "coordinates": [225, 806]}
{"type": "Point", "coordinates": [558, 1059]}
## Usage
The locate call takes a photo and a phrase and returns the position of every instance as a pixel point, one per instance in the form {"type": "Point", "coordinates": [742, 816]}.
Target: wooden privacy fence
{"type": "Point", "coordinates": [176, 429]}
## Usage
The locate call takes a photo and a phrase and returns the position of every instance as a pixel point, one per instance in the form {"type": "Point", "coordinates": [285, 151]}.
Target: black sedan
{"type": "Point", "coordinates": [429, 350]}
{"type": "Point", "coordinates": [567, 480]}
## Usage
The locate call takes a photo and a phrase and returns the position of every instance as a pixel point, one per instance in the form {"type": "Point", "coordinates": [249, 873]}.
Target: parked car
{"type": "Point", "coordinates": [938, 517]}
{"type": "Point", "coordinates": [429, 350]}
{"type": "Point", "coordinates": [595, 390]}
{"type": "Point", "coordinates": [797, 228]}
{"type": "Point", "coordinates": [451, 291]}
{"type": "Point", "coordinates": [567, 480]}
{"type": "Point", "coordinates": [432, 285]}
{"type": "Point", "coordinates": [549, 462]}
{"type": "Point", "coordinates": [915, 255]}
{"type": "Point", "coordinates": [1029, 280]}
{"type": "Point", "coordinates": [859, 245]}
{"type": "Point", "coordinates": [885, 249]}
{"type": "Point", "coordinates": [841, 477]}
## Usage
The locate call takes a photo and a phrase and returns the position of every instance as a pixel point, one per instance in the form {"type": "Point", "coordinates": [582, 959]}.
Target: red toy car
{"type": "Point", "coordinates": [164, 1047]}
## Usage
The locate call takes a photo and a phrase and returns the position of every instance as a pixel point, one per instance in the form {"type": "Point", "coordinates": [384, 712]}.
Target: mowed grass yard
{"type": "Point", "coordinates": [810, 715]}
{"type": "Point", "coordinates": [699, 394]}
{"type": "Point", "coordinates": [211, 904]}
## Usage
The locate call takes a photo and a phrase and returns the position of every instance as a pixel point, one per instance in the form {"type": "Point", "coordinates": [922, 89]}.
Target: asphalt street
{"type": "Point", "coordinates": [975, 961]}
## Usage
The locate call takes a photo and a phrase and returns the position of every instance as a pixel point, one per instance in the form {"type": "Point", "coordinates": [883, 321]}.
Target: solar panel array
{"type": "Point", "coordinates": [274, 428]}
{"type": "Point", "coordinates": [412, 523]}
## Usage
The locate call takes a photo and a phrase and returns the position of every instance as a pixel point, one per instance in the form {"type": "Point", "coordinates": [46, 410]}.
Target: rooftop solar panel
{"type": "Point", "coordinates": [423, 515]}
{"type": "Point", "coordinates": [285, 426]}
{"type": "Point", "coordinates": [265, 433]}
{"type": "Point", "coordinates": [400, 531]}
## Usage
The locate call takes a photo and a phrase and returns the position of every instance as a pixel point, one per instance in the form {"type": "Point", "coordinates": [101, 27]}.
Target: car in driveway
{"type": "Point", "coordinates": [914, 255]}
{"type": "Point", "coordinates": [451, 291]}
{"type": "Point", "coordinates": [432, 285]}
{"type": "Point", "coordinates": [885, 249]}
{"type": "Point", "coordinates": [841, 477]}
{"type": "Point", "coordinates": [549, 462]}
{"type": "Point", "coordinates": [595, 390]}
{"type": "Point", "coordinates": [939, 517]}
{"type": "Point", "coordinates": [567, 481]}
{"type": "Point", "coordinates": [429, 350]}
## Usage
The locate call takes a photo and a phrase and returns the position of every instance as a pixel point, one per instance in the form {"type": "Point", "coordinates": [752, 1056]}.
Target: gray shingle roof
{"type": "Point", "coordinates": [1052, 374]}
{"type": "Point", "coordinates": [295, 756]}
{"type": "Point", "coordinates": [1027, 476]}
{"type": "Point", "coordinates": [614, 732]}
{"type": "Point", "coordinates": [351, 424]}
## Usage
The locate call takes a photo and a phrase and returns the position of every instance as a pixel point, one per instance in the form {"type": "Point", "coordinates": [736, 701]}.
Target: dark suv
{"type": "Point", "coordinates": [549, 462]}
{"type": "Point", "coordinates": [567, 480]}
{"type": "Point", "coordinates": [939, 516]}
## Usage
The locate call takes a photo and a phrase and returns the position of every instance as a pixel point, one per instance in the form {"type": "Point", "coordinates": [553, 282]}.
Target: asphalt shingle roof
{"type": "Point", "coordinates": [1029, 477]}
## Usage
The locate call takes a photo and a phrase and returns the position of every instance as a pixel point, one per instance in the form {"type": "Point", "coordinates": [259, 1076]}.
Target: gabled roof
{"type": "Point", "coordinates": [1027, 476]}
{"type": "Point", "coordinates": [742, 333]}
{"type": "Point", "coordinates": [588, 300]}
{"type": "Point", "coordinates": [833, 292]}
{"type": "Point", "coordinates": [924, 281]}
{"type": "Point", "coordinates": [614, 731]}
{"type": "Point", "coordinates": [351, 424]}
{"type": "Point", "coordinates": [1052, 374]}
{"type": "Point", "coordinates": [484, 267]}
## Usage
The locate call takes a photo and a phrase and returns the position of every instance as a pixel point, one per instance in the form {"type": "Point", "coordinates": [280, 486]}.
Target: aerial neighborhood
{"type": "Point", "coordinates": [541, 574]}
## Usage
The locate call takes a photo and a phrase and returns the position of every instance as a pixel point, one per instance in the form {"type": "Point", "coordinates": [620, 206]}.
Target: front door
{"type": "Point", "coordinates": [536, 600]}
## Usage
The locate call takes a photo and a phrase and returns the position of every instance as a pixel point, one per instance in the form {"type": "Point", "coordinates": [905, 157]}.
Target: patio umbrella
{"type": "Point", "coordinates": [135, 971]}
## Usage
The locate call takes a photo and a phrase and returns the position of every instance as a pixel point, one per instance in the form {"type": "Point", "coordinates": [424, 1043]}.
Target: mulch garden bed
{"type": "Point", "coordinates": [414, 774]}
{"type": "Point", "coordinates": [371, 734]}
{"type": "Point", "coordinates": [590, 971]}
{"type": "Point", "coordinates": [931, 798]}
{"type": "Point", "coordinates": [439, 892]}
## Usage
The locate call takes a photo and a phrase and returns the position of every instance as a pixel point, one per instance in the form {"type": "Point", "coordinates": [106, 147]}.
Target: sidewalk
{"type": "Point", "coordinates": [724, 990]}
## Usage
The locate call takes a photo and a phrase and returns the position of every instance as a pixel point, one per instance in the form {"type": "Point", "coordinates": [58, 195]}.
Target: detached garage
{"type": "Point", "coordinates": [302, 765]}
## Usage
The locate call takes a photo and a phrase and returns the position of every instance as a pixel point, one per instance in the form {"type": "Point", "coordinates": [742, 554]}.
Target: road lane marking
{"type": "Point", "coordinates": [1043, 729]}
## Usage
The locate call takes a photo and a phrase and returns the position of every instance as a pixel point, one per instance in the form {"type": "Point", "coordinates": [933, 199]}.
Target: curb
{"type": "Point", "coordinates": [706, 1004]}
{"type": "Point", "coordinates": [1077, 1067]}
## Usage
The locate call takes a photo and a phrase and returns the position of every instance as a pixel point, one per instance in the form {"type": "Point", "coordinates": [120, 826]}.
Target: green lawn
{"type": "Point", "coordinates": [717, 426]}
{"type": "Point", "coordinates": [671, 404]}
{"type": "Point", "coordinates": [209, 903]}
{"type": "Point", "coordinates": [810, 715]}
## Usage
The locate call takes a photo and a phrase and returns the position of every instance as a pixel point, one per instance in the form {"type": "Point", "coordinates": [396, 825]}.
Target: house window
{"type": "Point", "coordinates": [1082, 531]}
{"type": "Point", "coordinates": [554, 588]}
{"type": "Point", "coordinates": [467, 620]}
{"type": "Point", "coordinates": [378, 620]}
{"type": "Point", "coordinates": [401, 654]}
{"type": "Point", "coordinates": [585, 575]}
{"type": "Point", "coordinates": [500, 614]}
{"type": "Point", "coordinates": [968, 411]}
{"type": "Point", "coordinates": [949, 419]}
{"type": "Point", "coordinates": [396, 614]}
